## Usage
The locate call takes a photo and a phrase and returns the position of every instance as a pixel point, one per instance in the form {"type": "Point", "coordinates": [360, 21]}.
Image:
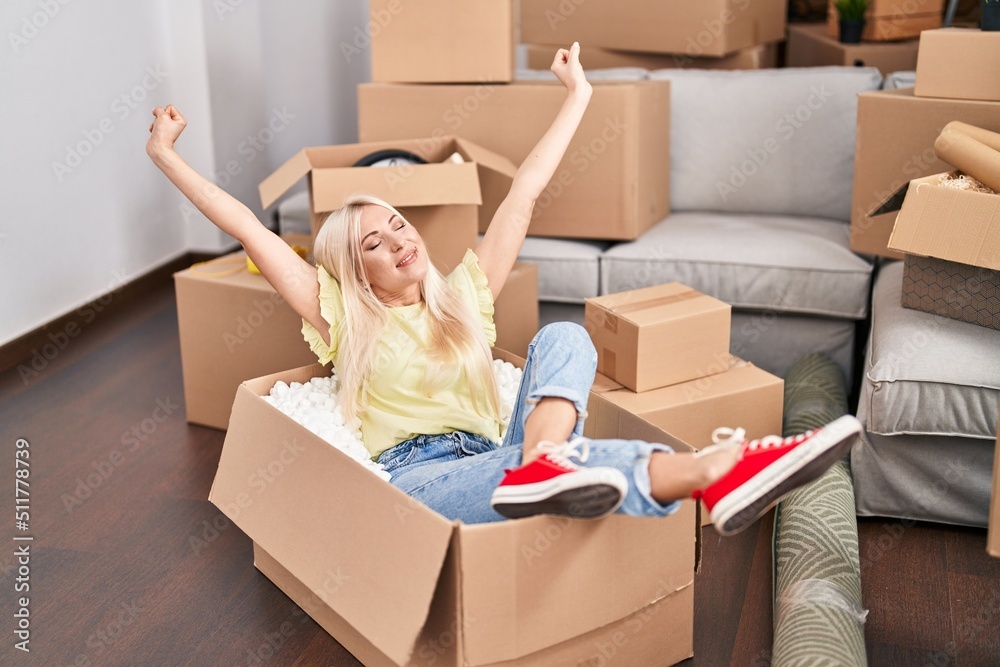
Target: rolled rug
{"type": "Point", "coordinates": [818, 618]}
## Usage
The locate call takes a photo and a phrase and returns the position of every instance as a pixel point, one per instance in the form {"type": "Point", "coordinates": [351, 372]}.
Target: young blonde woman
{"type": "Point", "coordinates": [412, 350]}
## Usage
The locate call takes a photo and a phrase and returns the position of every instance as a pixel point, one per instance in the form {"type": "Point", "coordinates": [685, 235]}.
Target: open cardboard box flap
{"type": "Point", "coordinates": [947, 223]}
{"type": "Point", "coordinates": [333, 178]}
{"type": "Point", "coordinates": [274, 497]}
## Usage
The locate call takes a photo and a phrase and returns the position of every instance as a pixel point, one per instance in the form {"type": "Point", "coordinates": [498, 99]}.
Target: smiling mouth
{"type": "Point", "coordinates": [409, 259]}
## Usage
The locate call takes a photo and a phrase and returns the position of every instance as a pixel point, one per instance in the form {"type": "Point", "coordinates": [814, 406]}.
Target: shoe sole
{"type": "Point", "coordinates": [591, 497]}
{"type": "Point", "coordinates": [751, 501]}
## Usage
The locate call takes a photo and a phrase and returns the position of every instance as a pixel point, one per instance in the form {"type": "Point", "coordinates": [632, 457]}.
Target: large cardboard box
{"type": "Point", "coordinates": [959, 63]}
{"type": "Point", "coordinates": [761, 56]}
{"type": "Point", "coordinates": [234, 326]}
{"type": "Point", "coordinates": [614, 181]}
{"type": "Point", "coordinates": [810, 46]}
{"type": "Point", "coordinates": [888, 20]}
{"type": "Point", "coordinates": [658, 336]}
{"type": "Point", "coordinates": [535, 591]}
{"type": "Point", "coordinates": [441, 198]}
{"type": "Point", "coordinates": [739, 395]}
{"type": "Point", "coordinates": [951, 239]}
{"type": "Point", "coordinates": [706, 28]}
{"type": "Point", "coordinates": [993, 535]}
{"type": "Point", "coordinates": [894, 145]}
{"type": "Point", "coordinates": [436, 41]}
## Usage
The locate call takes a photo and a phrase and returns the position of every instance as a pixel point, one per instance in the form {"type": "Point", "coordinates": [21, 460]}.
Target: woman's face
{"type": "Point", "coordinates": [394, 255]}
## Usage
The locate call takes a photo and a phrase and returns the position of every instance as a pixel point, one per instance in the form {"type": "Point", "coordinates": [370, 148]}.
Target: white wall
{"type": "Point", "coordinates": [85, 208]}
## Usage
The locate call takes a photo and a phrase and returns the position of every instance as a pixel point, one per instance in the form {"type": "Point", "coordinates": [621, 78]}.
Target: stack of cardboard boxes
{"type": "Point", "coordinates": [950, 238]}
{"type": "Point", "coordinates": [896, 129]}
{"type": "Point", "coordinates": [654, 34]}
{"type": "Point", "coordinates": [663, 352]}
{"type": "Point", "coordinates": [613, 182]}
{"type": "Point", "coordinates": [889, 40]}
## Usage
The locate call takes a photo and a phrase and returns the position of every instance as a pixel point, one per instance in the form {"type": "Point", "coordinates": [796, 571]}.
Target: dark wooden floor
{"type": "Point", "coordinates": [131, 565]}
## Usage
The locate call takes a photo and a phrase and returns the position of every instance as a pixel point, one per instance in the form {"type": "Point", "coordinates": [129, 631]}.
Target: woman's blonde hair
{"type": "Point", "coordinates": [458, 342]}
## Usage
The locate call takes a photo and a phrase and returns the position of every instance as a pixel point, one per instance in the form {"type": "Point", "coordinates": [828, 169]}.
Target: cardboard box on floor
{"type": "Point", "coordinates": [888, 20]}
{"type": "Point", "coordinates": [234, 326]}
{"type": "Point", "coordinates": [761, 56]}
{"type": "Point", "coordinates": [706, 28]}
{"type": "Point", "coordinates": [740, 395]}
{"type": "Point", "coordinates": [440, 41]}
{"type": "Point", "coordinates": [963, 229]}
{"type": "Point", "coordinates": [541, 590]}
{"type": "Point", "coordinates": [894, 145]}
{"type": "Point", "coordinates": [959, 63]}
{"type": "Point", "coordinates": [614, 181]}
{"type": "Point", "coordinates": [809, 45]}
{"type": "Point", "coordinates": [658, 336]}
{"type": "Point", "coordinates": [993, 534]}
{"type": "Point", "coordinates": [441, 199]}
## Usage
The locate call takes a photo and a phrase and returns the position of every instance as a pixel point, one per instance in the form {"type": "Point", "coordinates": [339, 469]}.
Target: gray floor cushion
{"type": "Point", "coordinates": [765, 141]}
{"type": "Point", "coordinates": [922, 477]}
{"type": "Point", "coordinates": [929, 403]}
{"type": "Point", "coordinates": [785, 263]}
{"type": "Point", "coordinates": [926, 374]}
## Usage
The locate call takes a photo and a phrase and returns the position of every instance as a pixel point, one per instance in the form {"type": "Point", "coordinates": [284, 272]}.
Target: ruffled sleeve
{"type": "Point", "coordinates": [331, 306]}
{"type": "Point", "coordinates": [471, 283]}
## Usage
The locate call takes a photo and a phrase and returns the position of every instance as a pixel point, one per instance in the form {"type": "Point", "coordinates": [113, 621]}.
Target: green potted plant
{"type": "Point", "coordinates": [852, 19]}
{"type": "Point", "coordinates": [990, 17]}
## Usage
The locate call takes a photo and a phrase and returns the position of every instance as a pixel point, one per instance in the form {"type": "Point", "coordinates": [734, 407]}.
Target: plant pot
{"type": "Point", "coordinates": [990, 17]}
{"type": "Point", "coordinates": [850, 30]}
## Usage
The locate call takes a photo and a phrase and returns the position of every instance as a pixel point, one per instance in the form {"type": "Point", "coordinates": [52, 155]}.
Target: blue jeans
{"type": "Point", "coordinates": [455, 473]}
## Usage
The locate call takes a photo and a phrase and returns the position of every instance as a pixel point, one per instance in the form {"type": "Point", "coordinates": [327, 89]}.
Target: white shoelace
{"type": "Point", "coordinates": [727, 438]}
{"type": "Point", "coordinates": [560, 452]}
{"type": "Point", "coordinates": [724, 438]}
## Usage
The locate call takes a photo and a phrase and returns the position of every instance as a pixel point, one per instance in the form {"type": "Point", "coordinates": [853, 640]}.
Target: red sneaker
{"type": "Point", "coordinates": [770, 468]}
{"type": "Point", "coordinates": [552, 484]}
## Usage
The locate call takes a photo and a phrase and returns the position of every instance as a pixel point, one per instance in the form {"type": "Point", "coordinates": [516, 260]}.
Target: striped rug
{"type": "Point", "coordinates": [818, 618]}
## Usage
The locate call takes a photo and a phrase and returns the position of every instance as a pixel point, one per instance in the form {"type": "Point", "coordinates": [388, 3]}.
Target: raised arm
{"type": "Point", "coordinates": [502, 242]}
{"type": "Point", "coordinates": [291, 276]}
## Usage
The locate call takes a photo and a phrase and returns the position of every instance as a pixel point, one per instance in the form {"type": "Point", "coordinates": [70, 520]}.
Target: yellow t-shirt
{"type": "Point", "coordinates": [398, 408]}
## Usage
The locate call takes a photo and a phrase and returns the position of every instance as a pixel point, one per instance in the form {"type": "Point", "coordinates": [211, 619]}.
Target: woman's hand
{"type": "Point", "coordinates": [566, 66]}
{"type": "Point", "coordinates": [167, 125]}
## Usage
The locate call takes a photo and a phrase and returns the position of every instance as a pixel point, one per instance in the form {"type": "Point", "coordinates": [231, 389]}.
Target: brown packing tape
{"type": "Point", "coordinates": [611, 322]}
{"type": "Point", "coordinates": [234, 264]}
{"type": "Point", "coordinates": [633, 306]}
{"type": "Point", "coordinates": [969, 149]}
{"type": "Point", "coordinates": [609, 365]}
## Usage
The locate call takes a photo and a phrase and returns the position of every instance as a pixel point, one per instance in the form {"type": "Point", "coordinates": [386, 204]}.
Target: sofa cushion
{"type": "Point", "coordinates": [293, 214]}
{"type": "Point", "coordinates": [568, 269]}
{"type": "Point", "coordinates": [775, 141]}
{"type": "Point", "coordinates": [606, 74]}
{"type": "Point", "coordinates": [900, 80]}
{"type": "Point", "coordinates": [927, 374]}
{"type": "Point", "coordinates": [780, 263]}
